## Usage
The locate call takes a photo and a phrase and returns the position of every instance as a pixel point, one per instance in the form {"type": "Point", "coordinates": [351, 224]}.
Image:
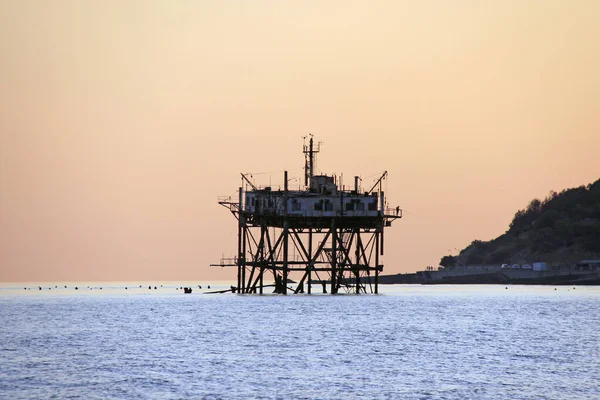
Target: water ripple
{"type": "Point", "coordinates": [412, 343]}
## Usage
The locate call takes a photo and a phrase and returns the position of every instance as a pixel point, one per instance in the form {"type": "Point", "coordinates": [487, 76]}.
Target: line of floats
{"type": "Point", "coordinates": [150, 287]}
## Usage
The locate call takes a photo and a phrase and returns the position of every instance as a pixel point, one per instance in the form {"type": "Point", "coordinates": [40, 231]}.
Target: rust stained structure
{"type": "Point", "coordinates": [321, 234]}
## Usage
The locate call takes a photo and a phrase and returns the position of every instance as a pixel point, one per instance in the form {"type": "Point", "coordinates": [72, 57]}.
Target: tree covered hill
{"type": "Point", "coordinates": [563, 228]}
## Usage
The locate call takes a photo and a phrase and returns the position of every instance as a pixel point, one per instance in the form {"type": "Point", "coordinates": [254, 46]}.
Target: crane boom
{"type": "Point", "coordinates": [378, 180]}
{"type": "Point", "coordinates": [248, 180]}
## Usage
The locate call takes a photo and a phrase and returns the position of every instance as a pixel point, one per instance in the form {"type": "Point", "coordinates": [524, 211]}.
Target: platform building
{"type": "Point", "coordinates": [321, 234]}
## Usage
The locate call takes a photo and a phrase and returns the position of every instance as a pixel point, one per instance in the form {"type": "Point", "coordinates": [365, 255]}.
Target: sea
{"type": "Point", "coordinates": [150, 340]}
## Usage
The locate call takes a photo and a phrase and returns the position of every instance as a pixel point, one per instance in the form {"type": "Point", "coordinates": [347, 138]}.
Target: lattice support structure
{"type": "Point", "coordinates": [338, 258]}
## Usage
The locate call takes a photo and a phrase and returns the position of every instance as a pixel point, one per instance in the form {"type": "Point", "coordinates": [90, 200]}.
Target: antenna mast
{"type": "Point", "coordinates": [309, 163]}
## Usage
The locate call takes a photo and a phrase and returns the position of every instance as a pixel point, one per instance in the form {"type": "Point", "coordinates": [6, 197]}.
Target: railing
{"type": "Point", "coordinates": [336, 212]}
{"type": "Point", "coordinates": [393, 212]}
{"type": "Point", "coordinates": [227, 202]}
{"type": "Point", "coordinates": [228, 260]}
{"type": "Point", "coordinates": [224, 199]}
{"type": "Point", "coordinates": [315, 214]}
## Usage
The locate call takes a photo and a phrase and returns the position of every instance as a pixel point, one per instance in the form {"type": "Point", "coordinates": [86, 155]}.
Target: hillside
{"type": "Point", "coordinates": [563, 228]}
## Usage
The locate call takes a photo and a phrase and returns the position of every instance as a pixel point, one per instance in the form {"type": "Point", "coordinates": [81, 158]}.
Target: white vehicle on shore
{"type": "Point", "coordinates": [526, 266]}
{"type": "Point", "coordinates": [516, 266]}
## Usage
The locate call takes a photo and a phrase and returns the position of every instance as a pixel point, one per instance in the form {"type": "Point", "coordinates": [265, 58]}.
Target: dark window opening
{"type": "Point", "coordinates": [373, 205]}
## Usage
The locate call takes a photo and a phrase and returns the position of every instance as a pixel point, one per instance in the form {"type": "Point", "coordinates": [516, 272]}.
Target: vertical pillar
{"type": "Point", "coordinates": [262, 271]}
{"type": "Point", "coordinates": [334, 240]}
{"type": "Point", "coordinates": [239, 252]}
{"type": "Point", "coordinates": [377, 260]}
{"type": "Point", "coordinates": [263, 230]}
{"type": "Point", "coordinates": [382, 242]}
{"type": "Point", "coordinates": [243, 259]}
{"type": "Point", "coordinates": [310, 263]}
{"type": "Point", "coordinates": [285, 232]}
{"type": "Point", "coordinates": [357, 259]}
{"type": "Point", "coordinates": [285, 255]}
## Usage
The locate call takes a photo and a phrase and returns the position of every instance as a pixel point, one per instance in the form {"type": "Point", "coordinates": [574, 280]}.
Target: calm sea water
{"type": "Point", "coordinates": [411, 342]}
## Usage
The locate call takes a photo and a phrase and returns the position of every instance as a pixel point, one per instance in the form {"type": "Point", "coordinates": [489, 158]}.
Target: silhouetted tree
{"type": "Point", "coordinates": [448, 261]}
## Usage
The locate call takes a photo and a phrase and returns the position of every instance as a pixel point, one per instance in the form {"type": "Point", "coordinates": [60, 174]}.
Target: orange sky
{"type": "Point", "coordinates": [121, 122]}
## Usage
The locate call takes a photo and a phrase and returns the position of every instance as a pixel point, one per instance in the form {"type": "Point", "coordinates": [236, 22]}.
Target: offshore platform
{"type": "Point", "coordinates": [322, 234]}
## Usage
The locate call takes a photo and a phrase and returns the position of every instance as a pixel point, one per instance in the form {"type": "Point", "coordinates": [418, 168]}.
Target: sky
{"type": "Point", "coordinates": [122, 122]}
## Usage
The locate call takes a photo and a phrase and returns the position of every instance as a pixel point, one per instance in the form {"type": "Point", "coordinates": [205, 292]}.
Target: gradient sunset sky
{"type": "Point", "coordinates": [121, 122]}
